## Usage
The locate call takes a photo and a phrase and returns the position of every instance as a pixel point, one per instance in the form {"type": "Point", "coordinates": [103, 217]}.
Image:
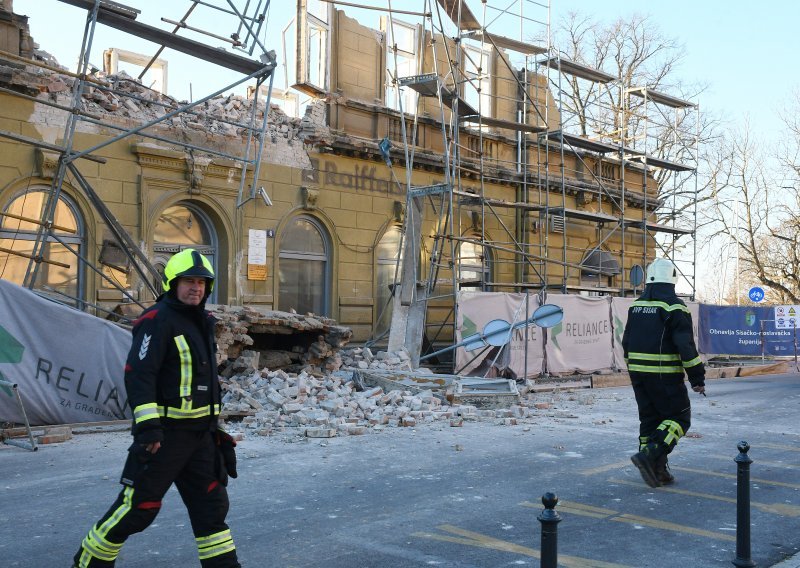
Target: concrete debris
{"type": "Point", "coordinates": [284, 372]}
{"type": "Point", "coordinates": [123, 100]}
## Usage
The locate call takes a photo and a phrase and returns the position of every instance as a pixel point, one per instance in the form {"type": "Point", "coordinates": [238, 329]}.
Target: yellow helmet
{"type": "Point", "coordinates": [188, 262]}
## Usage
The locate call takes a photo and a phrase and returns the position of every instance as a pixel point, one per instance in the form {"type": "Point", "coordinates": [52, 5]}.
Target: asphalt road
{"type": "Point", "coordinates": [451, 497]}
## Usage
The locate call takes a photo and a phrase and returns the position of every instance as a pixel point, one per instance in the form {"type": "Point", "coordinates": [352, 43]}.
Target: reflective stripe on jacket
{"type": "Point", "coordinates": [171, 375]}
{"type": "Point", "coordinates": [658, 339]}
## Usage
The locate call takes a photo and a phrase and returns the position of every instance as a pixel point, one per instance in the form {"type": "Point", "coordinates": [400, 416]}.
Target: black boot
{"type": "Point", "coordinates": [662, 471]}
{"type": "Point", "coordinates": [645, 461]}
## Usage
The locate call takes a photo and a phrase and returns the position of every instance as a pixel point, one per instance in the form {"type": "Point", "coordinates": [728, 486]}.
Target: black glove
{"type": "Point", "coordinates": [149, 436]}
{"type": "Point", "coordinates": [226, 445]}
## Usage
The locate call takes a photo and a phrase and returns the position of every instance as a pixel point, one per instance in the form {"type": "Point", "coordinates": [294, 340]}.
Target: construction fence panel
{"type": "Point", "coordinates": [583, 341]}
{"type": "Point", "coordinates": [475, 310]}
{"type": "Point", "coordinates": [68, 365]}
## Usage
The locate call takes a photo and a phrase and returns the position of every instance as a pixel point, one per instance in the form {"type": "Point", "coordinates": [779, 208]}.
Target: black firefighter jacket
{"type": "Point", "coordinates": [171, 371]}
{"type": "Point", "coordinates": [658, 339]}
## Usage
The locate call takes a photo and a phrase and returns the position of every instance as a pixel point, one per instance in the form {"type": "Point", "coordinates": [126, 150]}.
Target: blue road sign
{"type": "Point", "coordinates": [756, 294]}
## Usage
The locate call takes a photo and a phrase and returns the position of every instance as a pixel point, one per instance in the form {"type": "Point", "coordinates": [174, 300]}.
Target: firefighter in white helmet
{"type": "Point", "coordinates": [659, 351]}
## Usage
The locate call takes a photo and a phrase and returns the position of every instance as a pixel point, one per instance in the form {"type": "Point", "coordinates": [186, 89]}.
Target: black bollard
{"type": "Point", "coordinates": [743, 462]}
{"type": "Point", "coordinates": [549, 519]}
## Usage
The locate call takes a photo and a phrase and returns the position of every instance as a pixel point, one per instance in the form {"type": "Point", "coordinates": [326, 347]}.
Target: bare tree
{"type": "Point", "coordinates": [759, 216]}
{"type": "Point", "coordinates": [641, 57]}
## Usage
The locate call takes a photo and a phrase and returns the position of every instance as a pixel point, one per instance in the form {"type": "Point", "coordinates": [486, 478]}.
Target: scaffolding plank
{"type": "Point", "coordinates": [661, 98]}
{"type": "Point", "coordinates": [583, 143]}
{"type": "Point", "coordinates": [585, 215]}
{"type": "Point", "coordinates": [467, 198]}
{"type": "Point", "coordinates": [114, 19]}
{"type": "Point", "coordinates": [507, 43]}
{"type": "Point", "coordinates": [426, 85]}
{"type": "Point", "coordinates": [661, 163]}
{"type": "Point", "coordinates": [576, 69]}
{"type": "Point", "coordinates": [422, 191]}
{"type": "Point", "coordinates": [658, 227]}
{"type": "Point", "coordinates": [468, 20]}
{"type": "Point", "coordinates": [508, 124]}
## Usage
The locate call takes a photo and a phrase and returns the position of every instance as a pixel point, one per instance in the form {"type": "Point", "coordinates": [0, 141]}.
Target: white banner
{"type": "Point", "coordinates": [582, 342]}
{"type": "Point", "coordinates": [619, 317]}
{"type": "Point", "coordinates": [475, 310]}
{"type": "Point", "coordinates": [68, 365]}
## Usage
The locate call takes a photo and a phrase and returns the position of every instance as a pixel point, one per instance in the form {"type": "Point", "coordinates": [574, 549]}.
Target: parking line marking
{"type": "Point", "coordinates": [608, 514]}
{"type": "Point", "coordinates": [470, 538]}
{"type": "Point", "coordinates": [618, 465]}
{"type": "Point", "coordinates": [778, 447]}
{"type": "Point", "coordinates": [733, 476]}
{"type": "Point", "coordinates": [605, 468]}
{"type": "Point", "coordinates": [776, 508]}
{"type": "Point", "coordinates": [759, 462]}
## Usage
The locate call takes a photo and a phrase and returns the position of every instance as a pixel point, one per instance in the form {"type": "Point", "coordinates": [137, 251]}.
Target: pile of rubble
{"type": "Point", "coordinates": [336, 403]}
{"type": "Point", "coordinates": [125, 100]}
{"type": "Point", "coordinates": [283, 371]}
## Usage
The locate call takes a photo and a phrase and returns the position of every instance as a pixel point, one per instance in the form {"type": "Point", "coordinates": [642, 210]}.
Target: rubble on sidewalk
{"type": "Point", "coordinates": [283, 371]}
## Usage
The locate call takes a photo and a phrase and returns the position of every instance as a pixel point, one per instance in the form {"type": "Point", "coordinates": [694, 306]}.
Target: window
{"type": "Point", "coordinates": [18, 237]}
{"type": "Point", "coordinates": [388, 261]}
{"type": "Point", "coordinates": [313, 31]}
{"type": "Point", "coordinates": [304, 267]}
{"type": "Point", "coordinates": [477, 75]}
{"type": "Point", "coordinates": [182, 226]}
{"type": "Point", "coordinates": [474, 266]}
{"type": "Point", "coordinates": [401, 41]}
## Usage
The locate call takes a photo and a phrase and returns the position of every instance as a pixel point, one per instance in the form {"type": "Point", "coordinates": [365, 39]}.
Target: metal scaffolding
{"type": "Point", "coordinates": [248, 57]}
{"type": "Point", "coordinates": [607, 143]}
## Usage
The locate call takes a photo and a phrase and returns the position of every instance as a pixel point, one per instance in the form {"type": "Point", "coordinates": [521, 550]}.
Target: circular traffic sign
{"type": "Point", "coordinates": [756, 294]}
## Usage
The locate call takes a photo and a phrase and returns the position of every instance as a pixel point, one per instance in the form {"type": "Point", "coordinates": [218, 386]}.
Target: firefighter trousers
{"type": "Point", "coordinates": [664, 410]}
{"type": "Point", "coordinates": [191, 460]}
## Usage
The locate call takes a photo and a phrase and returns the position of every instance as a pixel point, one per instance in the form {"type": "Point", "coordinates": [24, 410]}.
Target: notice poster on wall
{"type": "Point", "coordinates": [257, 254]}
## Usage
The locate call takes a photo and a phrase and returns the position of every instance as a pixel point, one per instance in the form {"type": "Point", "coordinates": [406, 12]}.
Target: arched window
{"type": "Point", "coordinates": [304, 267]}
{"type": "Point", "coordinates": [181, 226]}
{"type": "Point", "coordinates": [474, 266]}
{"type": "Point", "coordinates": [18, 237]}
{"type": "Point", "coordinates": [388, 264]}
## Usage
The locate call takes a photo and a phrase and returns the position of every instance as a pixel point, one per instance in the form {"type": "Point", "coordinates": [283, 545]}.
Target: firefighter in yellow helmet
{"type": "Point", "coordinates": [659, 349]}
{"type": "Point", "coordinates": [173, 389]}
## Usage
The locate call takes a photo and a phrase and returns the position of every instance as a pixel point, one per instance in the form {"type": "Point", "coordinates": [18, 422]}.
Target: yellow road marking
{"type": "Point", "coordinates": [733, 476]}
{"type": "Point", "coordinates": [758, 462]}
{"type": "Point", "coordinates": [470, 538]}
{"type": "Point", "coordinates": [779, 447]}
{"type": "Point", "coordinates": [605, 468]}
{"type": "Point", "coordinates": [776, 508]}
{"type": "Point", "coordinates": [608, 514]}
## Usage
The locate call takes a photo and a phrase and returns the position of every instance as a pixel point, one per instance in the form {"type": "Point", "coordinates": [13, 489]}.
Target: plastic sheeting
{"type": "Point", "coordinates": [68, 364]}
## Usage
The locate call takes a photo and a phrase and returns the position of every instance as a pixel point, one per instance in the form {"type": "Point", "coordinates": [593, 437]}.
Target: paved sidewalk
{"type": "Point", "coordinates": [793, 562]}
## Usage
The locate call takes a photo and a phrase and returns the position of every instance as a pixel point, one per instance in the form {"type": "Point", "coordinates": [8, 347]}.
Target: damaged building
{"type": "Point", "coordinates": [413, 141]}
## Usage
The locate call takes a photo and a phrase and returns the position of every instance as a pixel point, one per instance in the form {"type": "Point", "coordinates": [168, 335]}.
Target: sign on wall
{"type": "Point", "coordinates": [257, 254]}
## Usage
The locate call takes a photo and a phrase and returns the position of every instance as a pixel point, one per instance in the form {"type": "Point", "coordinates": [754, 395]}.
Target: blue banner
{"type": "Point", "coordinates": [733, 330]}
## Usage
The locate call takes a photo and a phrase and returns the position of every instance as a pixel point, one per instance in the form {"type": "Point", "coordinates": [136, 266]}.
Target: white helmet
{"type": "Point", "coordinates": [662, 271]}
